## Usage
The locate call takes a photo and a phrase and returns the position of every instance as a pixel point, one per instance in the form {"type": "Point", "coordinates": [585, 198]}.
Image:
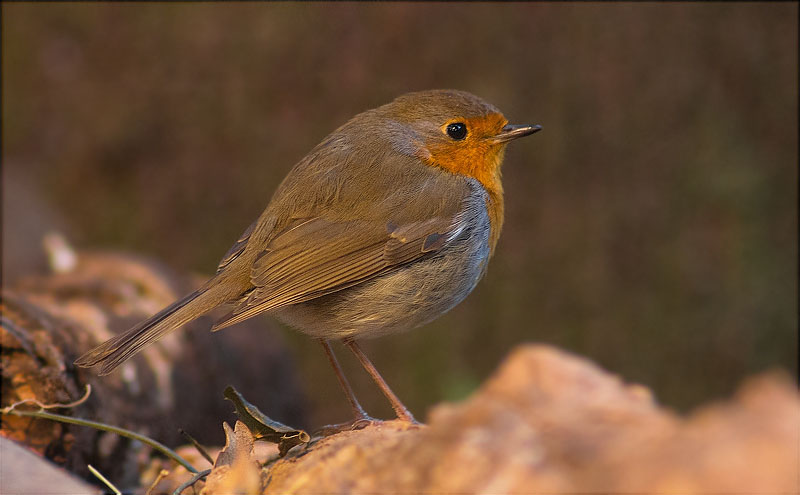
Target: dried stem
{"type": "Point", "coordinates": [94, 424]}
{"type": "Point", "coordinates": [197, 445]}
{"type": "Point", "coordinates": [197, 477]}
{"type": "Point", "coordinates": [104, 480]}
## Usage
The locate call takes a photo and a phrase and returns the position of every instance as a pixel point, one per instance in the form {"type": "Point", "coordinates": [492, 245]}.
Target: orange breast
{"type": "Point", "coordinates": [476, 157]}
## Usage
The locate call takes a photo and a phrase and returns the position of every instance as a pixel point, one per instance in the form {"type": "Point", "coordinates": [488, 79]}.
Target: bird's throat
{"type": "Point", "coordinates": [483, 166]}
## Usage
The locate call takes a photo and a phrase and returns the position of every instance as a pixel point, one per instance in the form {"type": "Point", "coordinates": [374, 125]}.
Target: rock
{"type": "Point", "coordinates": [24, 473]}
{"type": "Point", "coordinates": [551, 422]}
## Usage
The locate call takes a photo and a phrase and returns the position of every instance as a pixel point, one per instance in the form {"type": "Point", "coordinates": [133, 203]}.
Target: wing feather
{"type": "Point", "coordinates": [237, 248]}
{"type": "Point", "coordinates": [319, 256]}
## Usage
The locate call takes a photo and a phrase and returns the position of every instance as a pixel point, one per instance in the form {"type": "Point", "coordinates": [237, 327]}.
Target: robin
{"type": "Point", "coordinates": [385, 225]}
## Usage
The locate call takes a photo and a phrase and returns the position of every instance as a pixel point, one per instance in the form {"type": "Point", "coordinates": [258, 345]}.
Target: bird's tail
{"type": "Point", "coordinates": [115, 351]}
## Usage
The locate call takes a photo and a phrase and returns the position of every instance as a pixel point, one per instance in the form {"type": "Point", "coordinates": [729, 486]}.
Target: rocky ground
{"type": "Point", "coordinates": [546, 421]}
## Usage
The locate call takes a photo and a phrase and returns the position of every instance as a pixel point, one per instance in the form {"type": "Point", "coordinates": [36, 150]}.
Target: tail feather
{"type": "Point", "coordinates": [119, 349]}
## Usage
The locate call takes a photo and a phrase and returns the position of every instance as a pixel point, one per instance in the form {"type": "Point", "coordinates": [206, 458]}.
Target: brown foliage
{"type": "Point", "coordinates": [50, 320]}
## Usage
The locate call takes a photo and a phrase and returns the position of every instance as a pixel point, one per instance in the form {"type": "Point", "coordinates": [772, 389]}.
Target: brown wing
{"type": "Point", "coordinates": [315, 257]}
{"type": "Point", "coordinates": [237, 248]}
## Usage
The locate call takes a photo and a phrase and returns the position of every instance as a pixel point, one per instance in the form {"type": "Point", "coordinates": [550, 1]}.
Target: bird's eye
{"type": "Point", "coordinates": [457, 131]}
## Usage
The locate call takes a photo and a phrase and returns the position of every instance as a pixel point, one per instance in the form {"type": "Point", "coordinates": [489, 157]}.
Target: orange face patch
{"type": "Point", "coordinates": [475, 156]}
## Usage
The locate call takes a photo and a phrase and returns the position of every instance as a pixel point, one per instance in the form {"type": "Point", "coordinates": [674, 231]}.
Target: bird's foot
{"type": "Point", "coordinates": [358, 423]}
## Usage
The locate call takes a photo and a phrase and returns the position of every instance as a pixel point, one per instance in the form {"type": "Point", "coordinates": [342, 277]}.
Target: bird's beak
{"type": "Point", "coordinates": [511, 132]}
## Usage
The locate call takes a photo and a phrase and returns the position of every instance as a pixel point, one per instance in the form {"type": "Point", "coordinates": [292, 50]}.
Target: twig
{"type": "Point", "coordinates": [197, 477]}
{"type": "Point", "coordinates": [161, 475]}
{"type": "Point", "coordinates": [197, 445]}
{"type": "Point", "coordinates": [104, 427]}
{"type": "Point", "coordinates": [104, 480]}
{"type": "Point", "coordinates": [41, 406]}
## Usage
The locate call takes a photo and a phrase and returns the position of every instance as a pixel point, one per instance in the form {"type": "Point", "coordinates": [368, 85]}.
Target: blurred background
{"type": "Point", "coordinates": [651, 226]}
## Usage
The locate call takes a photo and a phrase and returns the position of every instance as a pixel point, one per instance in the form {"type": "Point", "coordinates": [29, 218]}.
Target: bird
{"type": "Point", "coordinates": [387, 224]}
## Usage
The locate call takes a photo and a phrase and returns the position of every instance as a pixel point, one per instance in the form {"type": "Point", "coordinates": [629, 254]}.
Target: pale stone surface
{"type": "Point", "coordinates": [24, 473]}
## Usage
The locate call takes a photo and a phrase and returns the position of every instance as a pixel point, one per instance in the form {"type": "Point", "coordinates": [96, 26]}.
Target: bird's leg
{"type": "Point", "coordinates": [399, 409]}
{"type": "Point", "coordinates": [359, 412]}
